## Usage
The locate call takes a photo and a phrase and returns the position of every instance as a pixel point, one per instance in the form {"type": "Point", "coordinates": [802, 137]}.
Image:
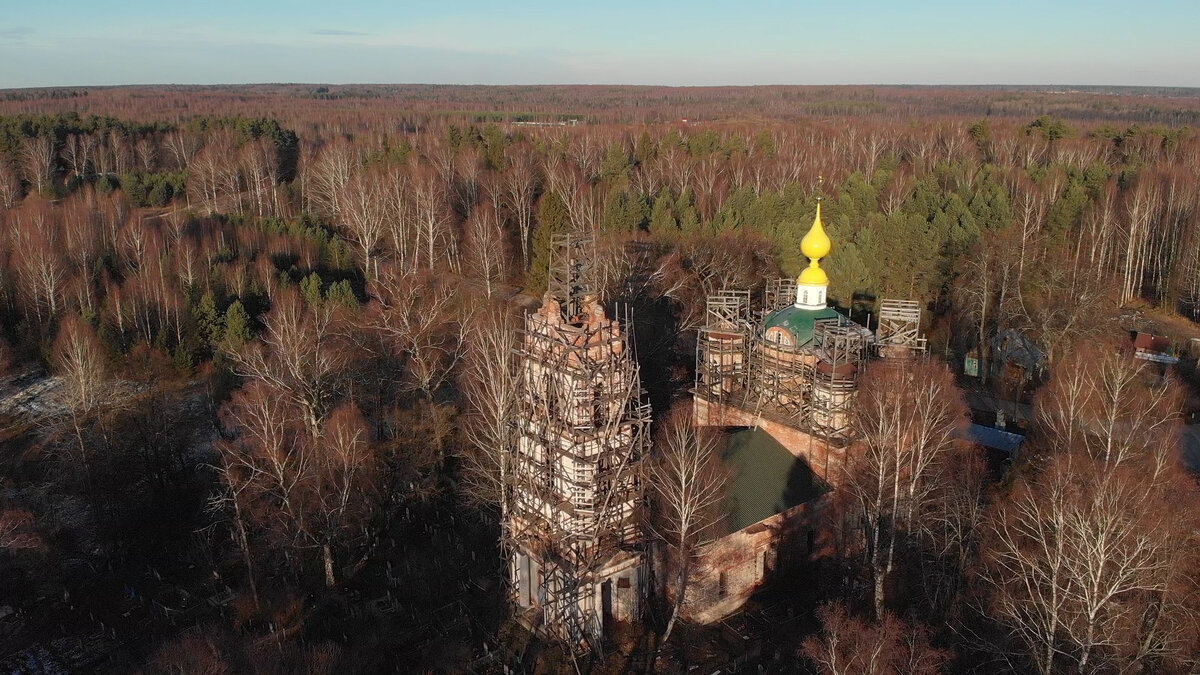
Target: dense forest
{"type": "Point", "coordinates": [245, 333]}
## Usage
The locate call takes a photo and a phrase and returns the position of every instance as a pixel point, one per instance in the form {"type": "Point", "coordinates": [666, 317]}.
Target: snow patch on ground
{"type": "Point", "coordinates": [31, 395]}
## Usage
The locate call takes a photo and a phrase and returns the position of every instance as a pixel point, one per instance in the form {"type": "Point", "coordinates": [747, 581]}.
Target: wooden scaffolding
{"type": "Point", "coordinates": [571, 276]}
{"type": "Point", "coordinates": [777, 294]}
{"type": "Point", "coordinates": [840, 348]}
{"type": "Point", "coordinates": [583, 430]}
{"type": "Point", "coordinates": [809, 387]}
{"type": "Point", "coordinates": [721, 354]}
{"type": "Point", "coordinates": [899, 331]}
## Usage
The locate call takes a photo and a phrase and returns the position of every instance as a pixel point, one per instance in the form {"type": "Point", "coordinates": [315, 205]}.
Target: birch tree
{"type": "Point", "coordinates": [363, 218]}
{"type": "Point", "coordinates": [342, 494]}
{"type": "Point", "coordinates": [1085, 564]}
{"type": "Point", "coordinates": [491, 385]}
{"type": "Point", "coordinates": [302, 355]}
{"type": "Point", "coordinates": [10, 184]}
{"type": "Point", "coordinates": [848, 645]}
{"type": "Point", "coordinates": [689, 482]}
{"type": "Point", "coordinates": [85, 391]}
{"type": "Point", "coordinates": [907, 419]}
{"type": "Point", "coordinates": [486, 251]}
{"type": "Point", "coordinates": [519, 185]}
{"type": "Point", "coordinates": [39, 154]}
{"type": "Point", "coordinates": [1086, 559]}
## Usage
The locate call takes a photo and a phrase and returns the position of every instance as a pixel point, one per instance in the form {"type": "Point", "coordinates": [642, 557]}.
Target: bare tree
{"type": "Point", "coordinates": [1064, 305]}
{"type": "Point", "coordinates": [40, 269]}
{"type": "Point", "coordinates": [950, 529]}
{"type": "Point", "coordinates": [302, 355]}
{"type": "Point", "coordinates": [119, 151]}
{"type": "Point", "coordinates": [689, 482]}
{"type": "Point", "coordinates": [146, 151]}
{"type": "Point", "coordinates": [1081, 564]}
{"type": "Point", "coordinates": [434, 219]}
{"type": "Point", "coordinates": [519, 187]}
{"type": "Point", "coordinates": [212, 175]}
{"type": "Point", "coordinates": [261, 166]}
{"type": "Point", "coordinates": [183, 146]}
{"type": "Point", "coordinates": [1030, 205]}
{"type": "Point", "coordinates": [1143, 211]}
{"type": "Point", "coordinates": [492, 389]}
{"type": "Point", "coordinates": [416, 317]}
{"type": "Point", "coordinates": [907, 419]}
{"type": "Point", "coordinates": [1083, 556]}
{"type": "Point", "coordinates": [301, 485]}
{"type": "Point", "coordinates": [17, 531]}
{"type": "Point", "coordinates": [343, 493]}
{"type": "Point", "coordinates": [400, 218]}
{"type": "Point", "coordinates": [486, 251]}
{"type": "Point", "coordinates": [262, 465]}
{"type": "Point", "coordinates": [10, 184]}
{"type": "Point", "coordinates": [326, 176]}
{"type": "Point", "coordinates": [1109, 405]}
{"type": "Point", "coordinates": [77, 153]}
{"type": "Point", "coordinates": [701, 266]}
{"type": "Point", "coordinates": [85, 388]}
{"type": "Point", "coordinates": [851, 646]}
{"type": "Point", "coordinates": [898, 190]}
{"type": "Point", "coordinates": [363, 217]}
{"type": "Point", "coordinates": [983, 292]}
{"type": "Point", "coordinates": [40, 155]}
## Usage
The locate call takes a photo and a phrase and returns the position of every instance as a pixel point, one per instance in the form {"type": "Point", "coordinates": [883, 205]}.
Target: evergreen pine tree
{"type": "Point", "coordinates": [644, 150]}
{"type": "Point", "coordinates": [848, 274]}
{"type": "Point", "coordinates": [310, 288]}
{"type": "Point", "coordinates": [615, 165]}
{"type": "Point", "coordinates": [237, 325]}
{"type": "Point", "coordinates": [662, 219]}
{"type": "Point", "coordinates": [494, 143]}
{"type": "Point", "coordinates": [689, 217]}
{"type": "Point", "coordinates": [623, 212]}
{"type": "Point", "coordinates": [989, 201]}
{"type": "Point", "coordinates": [552, 218]}
{"type": "Point", "coordinates": [342, 293]}
{"type": "Point", "coordinates": [764, 144]}
{"type": "Point", "coordinates": [210, 325]}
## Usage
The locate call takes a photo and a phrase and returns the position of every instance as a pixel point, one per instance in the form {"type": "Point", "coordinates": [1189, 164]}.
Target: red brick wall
{"type": "Point", "coordinates": [742, 555]}
{"type": "Point", "coordinates": [784, 536]}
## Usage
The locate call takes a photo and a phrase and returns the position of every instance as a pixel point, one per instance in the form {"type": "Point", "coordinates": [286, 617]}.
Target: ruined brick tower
{"type": "Point", "coordinates": [577, 557]}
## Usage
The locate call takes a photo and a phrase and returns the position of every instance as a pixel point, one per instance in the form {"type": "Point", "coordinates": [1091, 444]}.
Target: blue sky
{"type": "Point", "coordinates": [86, 42]}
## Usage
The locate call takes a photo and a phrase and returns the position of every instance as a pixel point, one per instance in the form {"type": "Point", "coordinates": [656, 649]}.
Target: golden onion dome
{"type": "Point", "coordinates": [816, 245]}
{"type": "Point", "coordinates": [813, 275]}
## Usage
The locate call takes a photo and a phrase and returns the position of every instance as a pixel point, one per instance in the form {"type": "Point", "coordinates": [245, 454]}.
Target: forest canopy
{"type": "Point", "coordinates": [251, 339]}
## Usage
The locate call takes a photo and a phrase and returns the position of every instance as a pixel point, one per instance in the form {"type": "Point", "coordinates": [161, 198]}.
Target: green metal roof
{"type": "Point", "coordinates": [799, 322]}
{"type": "Point", "coordinates": [767, 479]}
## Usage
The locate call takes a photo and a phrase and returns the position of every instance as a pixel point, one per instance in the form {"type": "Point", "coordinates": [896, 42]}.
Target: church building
{"type": "Point", "coordinates": [787, 372]}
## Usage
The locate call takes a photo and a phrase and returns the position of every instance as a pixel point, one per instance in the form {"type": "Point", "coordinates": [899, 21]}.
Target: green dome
{"type": "Point", "coordinates": [799, 322]}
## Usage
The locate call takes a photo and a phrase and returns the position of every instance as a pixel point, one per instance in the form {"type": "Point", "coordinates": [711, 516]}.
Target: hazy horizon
{"type": "Point", "coordinates": [868, 42]}
{"type": "Point", "coordinates": [944, 85]}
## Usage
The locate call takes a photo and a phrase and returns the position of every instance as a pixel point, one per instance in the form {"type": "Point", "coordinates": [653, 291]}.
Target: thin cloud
{"type": "Point", "coordinates": [15, 33]}
{"type": "Point", "coordinates": [335, 31]}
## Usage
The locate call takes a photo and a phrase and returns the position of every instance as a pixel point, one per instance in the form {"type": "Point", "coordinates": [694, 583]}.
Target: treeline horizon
{"type": "Point", "coordinates": [638, 104]}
